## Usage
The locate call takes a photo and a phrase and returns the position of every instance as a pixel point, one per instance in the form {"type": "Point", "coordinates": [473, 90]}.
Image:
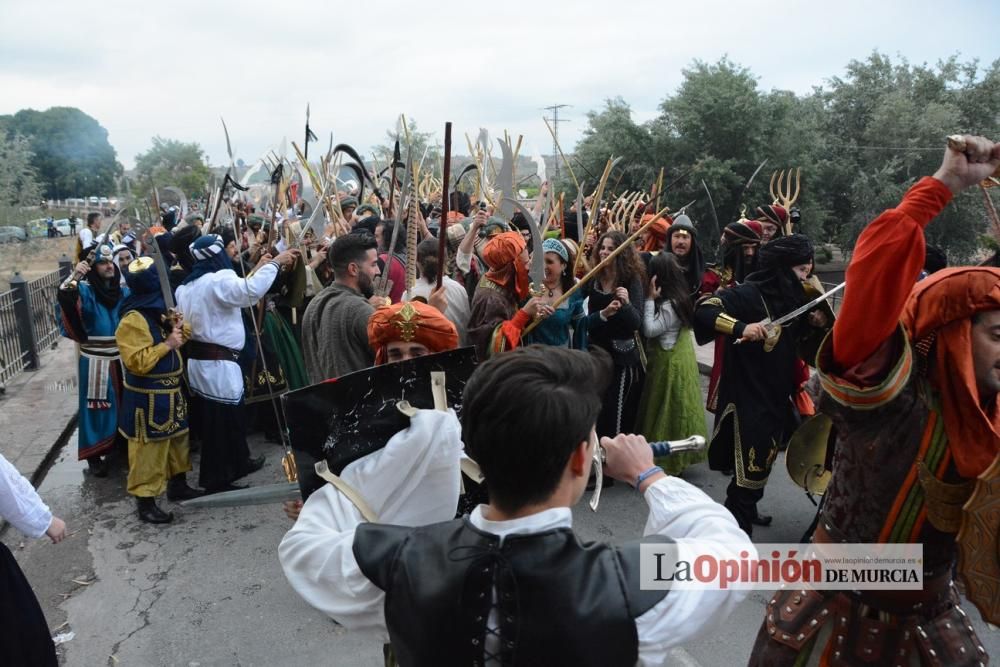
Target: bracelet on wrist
{"type": "Point", "coordinates": [646, 474]}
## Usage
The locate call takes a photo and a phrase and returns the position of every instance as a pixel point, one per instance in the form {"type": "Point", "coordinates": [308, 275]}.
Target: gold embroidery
{"type": "Point", "coordinates": [407, 322]}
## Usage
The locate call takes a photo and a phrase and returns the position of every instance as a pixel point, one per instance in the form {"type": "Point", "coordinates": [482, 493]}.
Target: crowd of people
{"type": "Point", "coordinates": [188, 334]}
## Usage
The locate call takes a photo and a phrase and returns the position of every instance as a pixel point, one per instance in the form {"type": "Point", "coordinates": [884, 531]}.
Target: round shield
{"type": "Point", "coordinates": [978, 547]}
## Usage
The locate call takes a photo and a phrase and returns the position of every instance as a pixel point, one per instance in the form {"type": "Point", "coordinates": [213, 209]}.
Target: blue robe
{"type": "Point", "coordinates": [93, 326]}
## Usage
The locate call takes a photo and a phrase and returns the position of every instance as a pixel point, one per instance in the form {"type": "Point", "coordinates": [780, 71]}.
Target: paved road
{"type": "Point", "coordinates": [208, 589]}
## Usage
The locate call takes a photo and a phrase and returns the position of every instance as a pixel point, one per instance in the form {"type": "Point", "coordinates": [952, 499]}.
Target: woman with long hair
{"type": "Point", "coordinates": [671, 399]}
{"type": "Point", "coordinates": [565, 327]}
{"type": "Point", "coordinates": [613, 321]}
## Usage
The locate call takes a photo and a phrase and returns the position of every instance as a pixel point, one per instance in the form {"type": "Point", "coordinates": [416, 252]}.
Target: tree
{"type": "Point", "coordinates": [172, 163]}
{"type": "Point", "coordinates": [71, 153]}
{"type": "Point", "coordinates": [612, 131]}
{"type": "Point", "coordinates": [18, 181]}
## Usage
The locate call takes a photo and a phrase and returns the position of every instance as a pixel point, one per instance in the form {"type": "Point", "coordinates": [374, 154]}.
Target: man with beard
{"type": "Point", "coordinates": [682, 241]}
{"type": "Point", "coordinates": [334, 326]}
{"type": "Point", "coordinates": [496, 321]}
{"type": "Point", "coordinates": [211, 298]}
{"type": "Point", "coordinates": [89, 315]}
{"type": "Point", "coordinates": [758, 375]}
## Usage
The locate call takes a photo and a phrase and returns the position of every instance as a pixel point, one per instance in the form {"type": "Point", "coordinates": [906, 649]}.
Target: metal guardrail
{"type": "Point", "coordinates": [28, 323]}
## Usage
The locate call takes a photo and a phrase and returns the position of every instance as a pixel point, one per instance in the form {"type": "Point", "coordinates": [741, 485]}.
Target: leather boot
{"type": "Point", "coordinates": [97, 466]}
{"type": "Point", "coordinates": [178, 489]}
{"type": "Point", "coordinates": [251, 465]}
{"type": "Point", "coordinates": [151, 513]}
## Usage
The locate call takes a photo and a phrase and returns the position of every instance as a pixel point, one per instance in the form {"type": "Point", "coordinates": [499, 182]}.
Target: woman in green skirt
{"type": "Point", "coordinates": [671, 407]}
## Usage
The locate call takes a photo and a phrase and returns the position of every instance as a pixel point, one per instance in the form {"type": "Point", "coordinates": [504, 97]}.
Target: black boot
{"type": "Point", "coordinates": [151, 513]}
{"type": "Point", "coordinates": [178, 489]}
{"type": "Point", "coordinates": [761, 519]}
{"type": "Point", "coordinates": [97, 466]}
{"type": "Point", "coordinates": [251, 465]}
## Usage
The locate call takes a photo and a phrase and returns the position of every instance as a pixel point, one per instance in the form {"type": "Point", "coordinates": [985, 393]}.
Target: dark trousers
{"type": "Point", "coordinates": [224, 451]}
{"type": "Point", "coordinates": [742, 503]}
{"type": "Point", "coordinates": [24, 633]}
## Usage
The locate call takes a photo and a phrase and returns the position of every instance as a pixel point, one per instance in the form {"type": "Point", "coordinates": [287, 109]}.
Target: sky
{"type": "Point", "coordinates": [173, 68]}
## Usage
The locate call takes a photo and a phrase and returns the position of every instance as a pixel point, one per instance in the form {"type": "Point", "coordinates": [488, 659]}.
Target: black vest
{"type": "Point", "coordinates": [560, 601]}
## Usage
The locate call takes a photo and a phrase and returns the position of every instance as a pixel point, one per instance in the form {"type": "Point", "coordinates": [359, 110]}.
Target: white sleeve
{"type": "Point", "coordinates": [698, 525]}
{"type": "Point", "coordinates": [20, 504]}
{"type": "Point", "coordinates": [317, 555]}
{"type": "Point", "coordinates": [652, 326]}
{"type": "Point", "coordinates": [463, 261]}
{"type": "Point", "coordinates": [240, 293]}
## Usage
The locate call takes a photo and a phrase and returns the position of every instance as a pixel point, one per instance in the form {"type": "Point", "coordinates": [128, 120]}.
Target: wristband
{"type": "Point", "coordinates": [643, 476]}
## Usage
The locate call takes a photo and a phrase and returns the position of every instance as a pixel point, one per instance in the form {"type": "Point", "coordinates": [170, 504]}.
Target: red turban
{"type": "Point", "coordinates": [501, 255]}
{"type": "Point", "coordinates": [410, 321]}
{"type": "Point", "coordinates": [657, 232]}
{"type": "Point", "coordinates": [941, 306]}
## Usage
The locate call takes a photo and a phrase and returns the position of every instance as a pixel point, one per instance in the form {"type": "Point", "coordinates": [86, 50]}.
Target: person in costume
{"type": "Point", "coordinates": [738, 252]}
{"type": "Point", "coordinates": [334, 326]}
{"type": "Point", "coordinates": [89, 313]}
{"type": "Point", "coordinates": [738, 248]}
{"type": "Point", "coordinates": [670, 408]}
{"type": "Point", "coordinates": [497, 318]}
{"type": "Point", "coordinates": [409, 330]}
{"type": "Point", "coordinates": [654, 239]}
{"type": "Point", "coordinates": [153, 416]}
{"type": "Point", "coordinates": [758, 373]}
{"type": "Point", "coordinates": [512, 578]}
{"type": "Point", "coordinates": [211, 299]}
{"type": "Point", "coordinates": [614, 318]}
{"type": "Point", "coordinates": [25, 639]}
{"type": "Point", "coordinates": [393, 261]}
{"type": "Point", "coordinates": [457, 299]}
{"type": "Point", "coordinates": [566, 326]}
{"type": "Point", "coordinates": [772, 219]}
{"type": "Point", "coordinates": [682, 242]}
{"type": "Point", "coordinates": [911, 382]}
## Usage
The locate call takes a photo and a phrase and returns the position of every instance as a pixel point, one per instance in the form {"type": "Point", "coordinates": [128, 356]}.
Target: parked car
{"type": "Point", "coordinates": [12, 234]}
{"type": "Point", "coordinates": [62, 226]}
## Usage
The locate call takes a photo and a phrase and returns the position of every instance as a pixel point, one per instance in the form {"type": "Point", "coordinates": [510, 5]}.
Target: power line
{"type": "Point", "coordinates": [555, 120]}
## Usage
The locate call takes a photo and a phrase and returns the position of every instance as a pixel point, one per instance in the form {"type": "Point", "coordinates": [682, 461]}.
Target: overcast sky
{"type": "Point", "coordinates": [172, 68]}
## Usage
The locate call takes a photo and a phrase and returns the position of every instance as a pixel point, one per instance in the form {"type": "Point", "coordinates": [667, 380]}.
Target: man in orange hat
{"type": "Point", "coordinates": [409, 330]}
{"type": "Point", "coordinates": [497, 318]}
{"type": "Point", "coordinates": [911, 375]}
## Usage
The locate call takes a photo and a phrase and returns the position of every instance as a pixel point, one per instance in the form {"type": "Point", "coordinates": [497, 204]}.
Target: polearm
{"type": "Point", "coordinates": [392, 176]}
{"type": "Point", "coordinates": [445, 205]}
{"type": "Point", "coordinates": [607, 260]}
{"type": "Point", "coordinates": [310, 136]}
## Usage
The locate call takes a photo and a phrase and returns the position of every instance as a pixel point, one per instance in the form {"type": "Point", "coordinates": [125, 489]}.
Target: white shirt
{"type": "Point", "coordinates": [663, 325]}
{"type": "Point", "coordinates": [318, 559]}
{"type": "Point", "coordinates": [86, 237]}
{"type": "Point", "coordinates": [20, 503]}
{"type": "Point", "coordinates": [458, 310]}
{"type": "Point", "coordinates": [211, 304]}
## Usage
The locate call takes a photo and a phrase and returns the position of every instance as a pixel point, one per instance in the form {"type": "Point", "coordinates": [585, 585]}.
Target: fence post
{"type": "Point", "coordinates": [65, 267]}
{"type": "Point", "coordinates": [25, 323]}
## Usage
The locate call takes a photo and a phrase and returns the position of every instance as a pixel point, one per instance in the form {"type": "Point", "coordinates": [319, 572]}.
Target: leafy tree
{"type": "Point", "coordinates": [71, 153]}
{"type": "Point", "coordinates": [172, 163]}
{"type": "Point", "coordinates": [18, 181]}
{"type": "Point", "coordinates": [612, 131]}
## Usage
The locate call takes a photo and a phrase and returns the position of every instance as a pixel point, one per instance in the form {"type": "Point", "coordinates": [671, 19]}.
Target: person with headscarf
{"type": "Point", "coordinates": [497, 318]}
{"type": "Point", "coordinates": [911, 382]}
{"type": "Point", "coordinates": [409, 330]}
{"type": "Point", "coordinates": [772, 219]}
{"type": "Point", "coordinates": [654, 239]}
{"type": "Point", "coordinates": [89, 313]}
{"type": "Point", "coordinates": [682, 242]}
{"type": "Point", "coordinates": [153, 416]}
{"type": "Point", "coordinates": [566, 326]}
{"type": "Point", "coordinates": [614, 319]}
{"type": "Point", "coordinates": [179, 242]}
{"type": "Point", "coordinates": [758, 372]}
{"type": "Point", "coordinates": [738, 252]}
{"type": "Point", "coordinates": [211, 299]}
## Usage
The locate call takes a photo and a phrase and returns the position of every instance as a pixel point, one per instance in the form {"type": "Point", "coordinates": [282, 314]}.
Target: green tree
{"type": "Point", "coordinates": [71, 153]}
{"type": "Point", "coordinates": [611, 131]}
{"type": "Point", "coordinates": [18, 181]}
{"type": "Point", "coordinates": [172, 163]}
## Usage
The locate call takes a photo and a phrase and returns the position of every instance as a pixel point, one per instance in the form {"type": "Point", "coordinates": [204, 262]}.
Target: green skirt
{"type": "Point", "coordinates": [289, 354]}
{"type": "Point", "coordinates": [671, 407]}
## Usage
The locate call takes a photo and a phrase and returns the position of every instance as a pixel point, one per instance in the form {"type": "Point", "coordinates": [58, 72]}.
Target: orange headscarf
{"type": "Point", "coordinates": [501, 254]}
{"type": "Point", "coordinates": [410, 321]}
{"type": "Point", "coordinates": [942, 305]}
{"type": "Point", "coordinates": [657, 232]}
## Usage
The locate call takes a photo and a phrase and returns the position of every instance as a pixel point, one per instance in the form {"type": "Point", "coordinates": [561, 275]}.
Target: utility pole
{"type": "Point", "coordinates": [555, 120]}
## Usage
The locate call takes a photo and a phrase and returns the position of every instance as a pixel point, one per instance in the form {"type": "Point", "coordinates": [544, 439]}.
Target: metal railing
{"type": "Point", "coordinates": [28, 323]}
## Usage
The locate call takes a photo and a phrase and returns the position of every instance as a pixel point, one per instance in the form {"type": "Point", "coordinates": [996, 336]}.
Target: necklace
{"type": "Point", "coordinates": [550, 294]}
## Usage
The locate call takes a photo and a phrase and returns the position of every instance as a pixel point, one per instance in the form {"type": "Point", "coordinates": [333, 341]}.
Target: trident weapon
{"type": "Point", "coordinates": [785, 196]}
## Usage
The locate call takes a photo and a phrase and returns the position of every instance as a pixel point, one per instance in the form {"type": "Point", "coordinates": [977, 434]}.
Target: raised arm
{"type": "Point", "coordinates": [889, 254]}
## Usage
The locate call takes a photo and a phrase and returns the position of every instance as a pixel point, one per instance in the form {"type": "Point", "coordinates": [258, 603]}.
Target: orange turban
{"type": "Point", "coordinates": [657, 232]}
{"type": "Point", "coordinates": [501, 255]}
{"type": "Point", "coordinates": [410, 321]}
{"type": "Point", "coordinates": [940, 309]}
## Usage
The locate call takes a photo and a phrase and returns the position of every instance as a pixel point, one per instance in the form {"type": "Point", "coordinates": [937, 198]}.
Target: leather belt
{"type": "Point", "coordinates": [202, 351]}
